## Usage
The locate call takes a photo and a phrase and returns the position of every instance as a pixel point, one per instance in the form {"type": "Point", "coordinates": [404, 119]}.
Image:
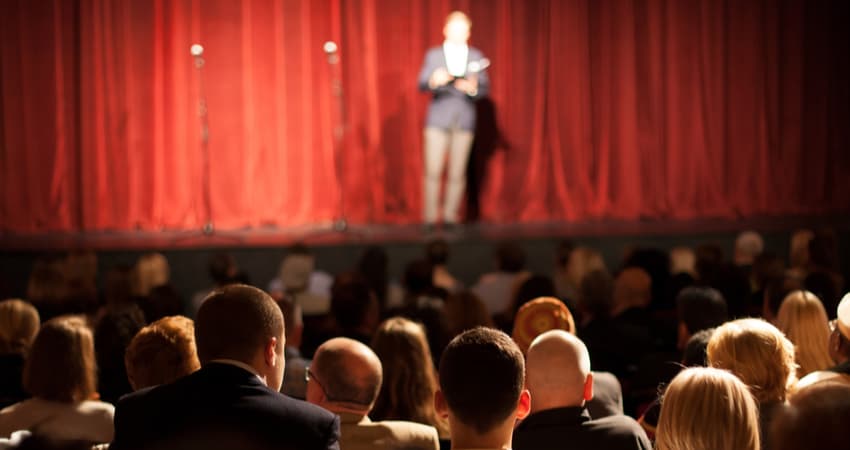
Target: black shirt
{"type": "Point", "coordinates": [572, 428]}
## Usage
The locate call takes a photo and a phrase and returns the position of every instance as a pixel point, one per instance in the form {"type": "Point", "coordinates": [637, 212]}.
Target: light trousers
{"type": "Point", "coordinates": [438, 142]}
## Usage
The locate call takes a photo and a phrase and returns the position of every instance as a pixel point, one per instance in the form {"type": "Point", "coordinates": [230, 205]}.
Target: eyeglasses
{"type": "Point", "coordinates": [308, 375]}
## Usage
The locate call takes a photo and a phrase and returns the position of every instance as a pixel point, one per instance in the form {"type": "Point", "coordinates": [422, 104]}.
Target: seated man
{"type": "Point", "coordinates": [162, 352]}
{"type": "Point", "coordinates": [233, 400]}
{"type": "Point", "coordinates": [482, 378]}
{"type": "Point", "coordinates": [560, 382]}
{"type": "Point", "coordinates": [345, 379]}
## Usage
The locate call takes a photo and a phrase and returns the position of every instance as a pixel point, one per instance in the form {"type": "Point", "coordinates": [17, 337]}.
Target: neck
{"type": "Point", "coordinates": [466, 437]}
{"type": "Point", "coordinates": [344, 408]}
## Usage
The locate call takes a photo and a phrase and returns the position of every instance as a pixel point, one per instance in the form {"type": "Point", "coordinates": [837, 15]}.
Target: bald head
{"type": "Point", "coordinates": [349, 373]}
{"type": "Point", "coordinates": [558, 369]}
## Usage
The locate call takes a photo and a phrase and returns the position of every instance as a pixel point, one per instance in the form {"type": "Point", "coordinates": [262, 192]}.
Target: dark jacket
{"type": "Point", "coordinates": [450, 107]}
{"type": "Point", "coordinates": [221, 406]}
{"type": "Point", "coordinates": [572, 428]}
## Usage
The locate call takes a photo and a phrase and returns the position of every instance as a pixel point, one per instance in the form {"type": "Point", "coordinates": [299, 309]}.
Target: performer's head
{"type": "Point", "coordinates": [457, 28]}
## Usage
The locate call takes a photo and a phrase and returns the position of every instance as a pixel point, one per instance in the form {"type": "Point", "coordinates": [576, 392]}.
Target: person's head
{"type": "Point", "coordinates": [683, 260]}
{"type": "Point", "coordinates": [457, 27]}
{"type": "Point", "coordinates": [482, 378]}
{"type": "Point", "coordinates": [757, 353]}
{"type": "Point", "coordinates": [151, 270]}
{"type": "Point", "coordinates": [817, 414]}
{"type": "Point", "coordinates": [699, 308]}
{"type": "Point", "coordinates": [162, 352]}
{"type": "Point", "coordinates": [510, 257]}
{"type": "Point", "coordinates": [562, 253]}
{"type": "Point", "coordinates": [19, 322]}
{"type": "Point", "coordinates": [539, 316]}
{"type": "Point", "coordinates": [748, 246]}
{"type": "Point", "coordinates": [583, 260]}
{"type": "Point", "coordinates": [558, 371]}
{"type": "Point", "coordinates": [407, 392]}
{"type": "Point", "coordinates": [296, 267]}
{"type": "Point", "coordinates": [775, 291]}
{"type": "Point", "coordinates": [242, 323]}
{"type": "Point", "coordinates": [707, 409]}
{"type": "Point", "coordinates": [823, 250]}
{"type": "Point", "coordinates": [222, 268]}
{"type": "Point", "coordinates": [632, 289]}
{"type": "Point", "coordinates": [695, 353]}
{"type": "Point", "coordinates": [596, 294]}
{"type": "Point", "coordinates": [839, 339]}
{"type": "Point", "coordinates": [437, 252]}
{"type": "Point", "coordinates": [345, 376]}
{"type": "Point", "coordinates": [293, 321]}
{"type": "Point", "coordinates": [112, 334]}
{"type": "Point", "coordinates": [533, 287]}
{"type": "Point", "coordinates": [464, 311]}
{"type": "Point", "coordinates": [799, 248]}
{"type": "Point", "coordinates": [61, 365]}
{"type": "Point", "coordinates": [418, 277]}
{"type": "Point", "coordinates": [372, 266]}
{"type": "Point", "coordinates": [353, 305]}
{"type": "Point", "coordinates": [766, 267]}
{"type": "Point", "coordinates": [802, 318]}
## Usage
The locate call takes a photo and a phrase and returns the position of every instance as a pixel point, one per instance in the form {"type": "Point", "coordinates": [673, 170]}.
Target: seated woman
{"type": "Point", "coordinates": [19, 322]}
{"type": "Point", "coordinates": [61, 375]}
{"type": "Point", "coordinates": [707, 409]}
{"type": "Point", "coordinates": [162, 352]}
{"type": "Point", "coordinates": [410, 382]}
{"type": "Point", "coordinates": [803, 319]}
{"type": "Point", "coordinates": [760, 356]}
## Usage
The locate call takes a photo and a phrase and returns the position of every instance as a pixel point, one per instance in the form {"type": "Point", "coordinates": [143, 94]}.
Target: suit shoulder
{"type": "Point", "coordinates": [416, 434]}
{"type": "Point", "coordinates": [618, 425]}
{"type": "Point", "coordinates": [308, 410]}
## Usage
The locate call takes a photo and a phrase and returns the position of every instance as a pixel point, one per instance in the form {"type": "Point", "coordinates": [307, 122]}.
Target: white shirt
{"type": "Point", "coordinates": [457, 56]}
{"type": "Point", "coordinates": [90, 420]}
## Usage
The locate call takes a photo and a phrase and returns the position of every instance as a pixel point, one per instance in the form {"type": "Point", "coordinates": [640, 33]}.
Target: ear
{"type": "Point", "coordinates": [588, 388]}
{"type": "Point", "coordinates": [523, 407]}
{"type": "Point", "coordinates": [440, 404]}
{"type": "Point", "coordinates": [270, 353]}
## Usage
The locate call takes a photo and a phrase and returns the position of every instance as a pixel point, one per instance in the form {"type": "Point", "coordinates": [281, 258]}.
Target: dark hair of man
{"type": "Point", "coordinates": [532, 288]}
{"type": "Point", "coordinates": [482, 374]}
{"type": "Point", "coordinates": [700, 308]}
{"type": "Point", "coordinates": [778, 288]}
{"type": "Point", "coordinates": [235, 322]}
{"type": "Point", "coordinates": [437, 252]}
{"type": "Point", "coordinates": [562, 253]}
{"type": "Point", "coordinates": [596, 294]}
{"type": "Point", "coordinates": [299, 248]}
{"type": "Point", "coordinates": [815, 417]}
{"type": "Point", "coordinates": [418, 277]}
{"type": "Point", "coordinates": [350, 299]}
{"type": "Point", "coordinates": [695, 350]}
{"type": "Point", "coordinates": [373, 268]}
{"type": "Point", "coordinates": [220, 267]}
{"type": "Point", "coordinates": [510, 257]}
{"type": "Point", "coordinates": [331, 371]}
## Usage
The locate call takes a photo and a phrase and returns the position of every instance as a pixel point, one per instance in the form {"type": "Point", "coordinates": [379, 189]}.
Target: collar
{"type": "Point", "coordinates": [570, 415]}
{"type": "Point", "coordinates": [241, 365]}
{"type": "Point", "coordinates": [347, 418]}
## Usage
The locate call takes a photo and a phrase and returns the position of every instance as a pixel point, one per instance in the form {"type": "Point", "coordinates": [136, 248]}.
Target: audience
{"type": "Point", "coordinates": [298, 275]}
{"type": "Point", "coordinates": [748, 246]}
{"type": "Point", "coordinates": [373, 267]}
{"type": "Point", "coordinates": [61, 374]}
{"type": "Point", "coordinates": [345, 379]}
{"type": "Point", "coordinates": [815, 416]}
{"type": "Point", "coordinates": [464, 311]}
{"type": "Point", "coordinates": [437, 255]}
{"type": "Point", "coordinates": [803, 320]}
{"type": "Point", "coordinates": [762, 357]}
{"type": "Point", "coordinates": [112, 335]}
{"type": "Point", "coordinates": [295, 370]}
{"type": "Point", "coordinates": [162, 352]}
{"type": "Point", "coordinates": [563, 287]}
{"type": "Point", "coordinates": [223, 270]}
{"type": "Point", "coordinates": [151, 271]}
{"type": "Point", "coordinates": [560, 383]}
{"type": "Point", "coordinates": [707, 409]}
{"type": "Point", "coordinates": [19, 323]}
{"type": "Point", "coordinates": [354, 307]}
{"type": "Point", "coordinates": [482, 389]}
{"type": "Point", "coordinates": [838, 347]}
{"type": "Point", "coordinates": [496, 289]}
{"type": "Point", "coordinates": [699, 308]}
{"type": "Point", "coordinates": [407, 392]}
{"type": "Point", "coordinates": [233, 400]}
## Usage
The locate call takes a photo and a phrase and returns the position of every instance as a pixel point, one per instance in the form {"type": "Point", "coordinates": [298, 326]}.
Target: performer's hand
{"type": "Point", "coordinates": [439, 77]}
{"type": "Point", "coordinates": [469, 86]}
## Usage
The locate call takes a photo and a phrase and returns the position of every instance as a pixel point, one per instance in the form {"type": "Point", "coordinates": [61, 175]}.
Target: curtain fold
{"type": "Point", "coordinates": [600, 109]}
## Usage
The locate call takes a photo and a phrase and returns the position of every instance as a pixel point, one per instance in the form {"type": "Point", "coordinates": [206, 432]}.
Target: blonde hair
{"type": "Point", "coordinates": [19, 322]}
{"type": "Point", "coordinates": [410, 381]}
{"type": "Point", "coordinates": [151, 271]}
{"type": "Point", "coordinates": [707, 409]}
{"type": "Point", "coordinates": [757, 353]}
{"type": "Point", "coordinates": [803, 319]}
{"type": "Point", "coordinates": [162, 352]}
{"type": "Point", "coordinates": [61, 365]}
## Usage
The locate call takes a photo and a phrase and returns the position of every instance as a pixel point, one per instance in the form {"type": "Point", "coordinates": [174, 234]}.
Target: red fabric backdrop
{"type": "Point", "coordinates": [605, 109]}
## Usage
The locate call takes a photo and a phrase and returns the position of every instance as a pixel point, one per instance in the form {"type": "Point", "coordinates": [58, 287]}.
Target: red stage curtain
{"type": "Point", "coordinates": [606, 109]}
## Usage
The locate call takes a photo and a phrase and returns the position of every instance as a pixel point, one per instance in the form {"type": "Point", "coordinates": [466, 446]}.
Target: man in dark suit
{"type": "Point", "coordinates": [560, 382]}
{"type": "Point", "coordinates": [233, 400]}
{"type": "Point", "coordinates": [454, 74]}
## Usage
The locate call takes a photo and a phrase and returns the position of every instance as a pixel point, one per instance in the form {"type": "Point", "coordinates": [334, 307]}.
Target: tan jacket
{"type": "Point", "coordinates": [359, 432]}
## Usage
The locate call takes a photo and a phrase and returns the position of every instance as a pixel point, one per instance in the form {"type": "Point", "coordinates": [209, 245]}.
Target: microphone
{"type": "Point", "coordinates": [332, 50]}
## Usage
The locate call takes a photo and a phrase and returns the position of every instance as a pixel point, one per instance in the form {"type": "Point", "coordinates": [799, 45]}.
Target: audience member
{"type": "Point", "coordinates": [464, 311]}
{"type": "Point", "coordinates": [762, 357]}
{"type": "Point", "coordinates": [151, 270]}
{"type": "Point", "coordinates": [799, 251]}
{"type": "Point", "coordinates": [19, 323]}
{"type": "Point", "coordinates": [803, 320]}
{"type": "Point", "coordinates": [496, 289]}
{"type": "Point", "coordinates": [535, 286]}
{"type": "Point", "coordinates": [560, 383]}
{"type": "Point", "coordinates": [699, 308]}
{"type": "Point", "coordinates": [162, 352]}
{"type": "Point", "coordinates": [222, 270]}
{"type": "Point", "coordinates": [61, 374]}
{"type": "Point", "coordinates": [295, 369]}
{"type": "Point", "coordinates": [373, 267]}
{"type": "Point", "coordinates": [233, 400]}
{"type": "Point", "coordinates": [345, 379]}
{"type": "Point", "coordinates": [839, 348]}
{"type": "Point", "coordinates": [696, 349]}
{"type": "Point", "coordinates": [582, 261]}
{"type": "Point", "coordinates": [112, 334]}
{"type": "Point", "coordinates": [161, 301]}
{"type": "Point", "coordinates": [425, 304]}
{"type": "Point", "coordinates": [748, 246]}
{"type": "Point", "coordinates": [563, 288]}
{"type": "Point", "coordinates": [775, 291]}
{"type": "Point", "coordinates": [437, 254]}
{"type": "Point", "coordinates": [407, 392]}
{"type": "Point", "coordinates": [298, 274]}
{"type": "Point", "coordinates": [707, 409]}
{"type": "Point", "coordinates": [655, 263]}
{"type": "Point", "coordinates": [632, 296]}
{"type": "Point", "coordinates": [354, 307]}
{"type": "Point", "coordinates": [814, 417]}
{"type": "Point", "coordinates": [482, 389]}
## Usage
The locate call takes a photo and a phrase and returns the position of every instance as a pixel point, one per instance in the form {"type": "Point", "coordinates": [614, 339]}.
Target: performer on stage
{"type": "Point", "coordinates": [454, 74]}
